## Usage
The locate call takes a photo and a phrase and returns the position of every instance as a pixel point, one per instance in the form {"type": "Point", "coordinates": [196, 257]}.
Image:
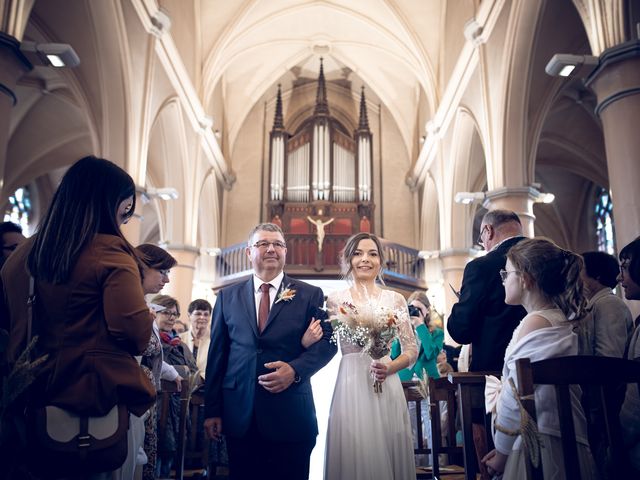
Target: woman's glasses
{"type": "Point", "coordinates": [169, 314]}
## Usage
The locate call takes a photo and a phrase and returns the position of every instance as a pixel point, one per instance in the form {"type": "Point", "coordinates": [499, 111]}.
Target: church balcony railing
{"type": "Point", "coordinates": [403, 268]}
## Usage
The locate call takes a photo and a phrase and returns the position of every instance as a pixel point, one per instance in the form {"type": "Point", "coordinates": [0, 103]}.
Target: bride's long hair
{"type": "Point", "coordinates": [349, 250]}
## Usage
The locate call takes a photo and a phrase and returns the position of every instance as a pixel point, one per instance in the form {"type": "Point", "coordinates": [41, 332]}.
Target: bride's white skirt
{"type": "Point", "coordinates": [369, 434]}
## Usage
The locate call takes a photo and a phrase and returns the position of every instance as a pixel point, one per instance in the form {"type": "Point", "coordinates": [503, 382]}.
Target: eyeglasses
{"type": "Point", "coordinates": [169, 314]}
{"type": "Point", "coordinates": [505, 273]}
{"type": "Point", "coordinates": [480, 241]}
{"type": "Point", "coordinates": [264, 245]}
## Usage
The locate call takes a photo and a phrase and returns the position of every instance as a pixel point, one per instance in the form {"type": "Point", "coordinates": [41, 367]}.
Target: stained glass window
{"type": "Point", "coordinates": [604, 221]}
{"type": "Point", "coordinates": [19, 208]}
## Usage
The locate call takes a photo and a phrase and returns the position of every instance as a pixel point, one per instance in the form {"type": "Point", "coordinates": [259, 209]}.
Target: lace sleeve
{"type": "Point", "coordinates": [407, 338]}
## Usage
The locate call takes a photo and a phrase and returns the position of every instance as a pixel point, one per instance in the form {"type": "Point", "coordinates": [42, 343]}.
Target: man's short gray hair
{"type": "Point", "coordinates": [498, 217]}
{"type": "Point", "coordinates": [264, 227]}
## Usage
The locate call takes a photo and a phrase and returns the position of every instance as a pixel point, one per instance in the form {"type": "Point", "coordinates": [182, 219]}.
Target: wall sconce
{"type": "Point", "coordinates": [213, 252]}
{"type": "Point", "coordinates": [545, 198]}
{"type": "Point", "coordinates": [467, 198]}
{"type": "Point", "coordinates": [565, 65]}
{"type": "Point", "coordinates": [167, 193]}
{"type": "Point", "coordinates": [50, 54]}
{"type": "Point", "coordinates": [428, 254]}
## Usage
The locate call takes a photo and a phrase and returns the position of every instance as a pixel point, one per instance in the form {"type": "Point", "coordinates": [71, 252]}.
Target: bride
{"type": "Point", "coordinates": [369, 435]}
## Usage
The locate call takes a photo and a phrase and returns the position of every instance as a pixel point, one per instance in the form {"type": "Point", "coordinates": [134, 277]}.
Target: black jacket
{"type": "Point", "coordinates": [481, 317]}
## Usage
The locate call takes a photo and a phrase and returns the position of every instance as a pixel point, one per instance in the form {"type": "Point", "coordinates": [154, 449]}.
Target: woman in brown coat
{"type": "Point", "coordinates": [90, 314]}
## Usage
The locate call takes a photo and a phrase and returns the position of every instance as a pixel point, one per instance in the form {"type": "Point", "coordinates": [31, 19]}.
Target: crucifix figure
{"type": "Point", "coordinates": [320, 229]}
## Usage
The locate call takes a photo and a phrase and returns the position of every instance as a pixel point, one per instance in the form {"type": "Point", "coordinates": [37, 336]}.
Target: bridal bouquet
{"type": "Point", "coordinates": [371, 326]}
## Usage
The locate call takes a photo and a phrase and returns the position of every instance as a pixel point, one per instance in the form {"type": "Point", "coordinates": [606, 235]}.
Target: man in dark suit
{"type": "Point", "coordinates": [481, 317]}
{"type": "Point", "coordinates": [258, 391]}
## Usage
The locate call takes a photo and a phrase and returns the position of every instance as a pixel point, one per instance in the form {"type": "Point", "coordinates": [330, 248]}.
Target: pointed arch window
{"type": "Point", "coordinates": [604, 221]}
{"type": "Point", "coordinates": [19, 208]}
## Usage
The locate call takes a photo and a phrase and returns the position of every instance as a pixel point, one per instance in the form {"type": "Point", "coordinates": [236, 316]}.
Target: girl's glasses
{"type": "Point", "coordinates": [505, 273]}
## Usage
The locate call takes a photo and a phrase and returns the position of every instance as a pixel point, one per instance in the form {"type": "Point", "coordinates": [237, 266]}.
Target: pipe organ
{"type": "Point", "coordinates": [322, 172]}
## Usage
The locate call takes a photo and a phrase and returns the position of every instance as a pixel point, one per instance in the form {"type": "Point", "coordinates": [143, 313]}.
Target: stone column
{"type": "Point", "coordinates": [453, 263]}
{"type": "Point", "coordinates": [13, 64]}
{"type": "Point", "coordinates": [616, 83]}
{"type": "Point", "coordinates": [516, 199]}
{"type": "Point", "coordinates": [181, 278]}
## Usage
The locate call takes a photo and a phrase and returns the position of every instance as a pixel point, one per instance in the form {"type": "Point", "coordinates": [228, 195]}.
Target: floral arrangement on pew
{"type": "Point", "coordinates": [371, 327]}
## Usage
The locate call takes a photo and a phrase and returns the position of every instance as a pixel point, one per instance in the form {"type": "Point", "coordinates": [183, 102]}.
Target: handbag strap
{"type": "Point", "coordinates": [31, 300]}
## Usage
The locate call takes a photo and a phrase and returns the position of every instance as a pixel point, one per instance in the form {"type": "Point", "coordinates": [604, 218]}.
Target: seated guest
{"type": "Point", "coordinates": [605, 332]}
{"type": "Point", "coordinates": [444, 368]}
{"type": "Point", "coordinates": [545, 280]}
{"type": "Point", "coordinates": [607, 328]}
{"type": "Point", "coordinates": [10, 237]}
{"type": "Point", "coordinates": [630, 414]}
{"type": "Point", "coordinates": [156, 263]}
{"type": "Point", "coordinates": [199, 335]}
{"type": "Point", "coordinates": [175, 353]}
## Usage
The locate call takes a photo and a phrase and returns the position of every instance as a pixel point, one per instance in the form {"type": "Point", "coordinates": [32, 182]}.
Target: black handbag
{"type": "Point", "coordinates": [66, 443]}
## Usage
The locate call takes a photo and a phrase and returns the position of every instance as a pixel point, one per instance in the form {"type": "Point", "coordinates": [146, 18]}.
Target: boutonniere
{"type": "Point", "coordinates": [286, 295]}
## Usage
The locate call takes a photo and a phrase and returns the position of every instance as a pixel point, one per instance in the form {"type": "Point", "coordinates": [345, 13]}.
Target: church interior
{"type": "Point", "coordinates": [409, 119]}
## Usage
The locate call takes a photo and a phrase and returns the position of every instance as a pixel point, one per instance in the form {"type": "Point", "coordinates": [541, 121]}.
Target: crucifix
{"type": "Point", "coordinates": [320, 229]}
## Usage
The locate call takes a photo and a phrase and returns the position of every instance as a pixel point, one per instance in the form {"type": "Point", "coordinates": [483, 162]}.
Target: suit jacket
{"type": "Point", "coordinates": [481, 317]}
{"type": "Point", "coordinates": [90, 327]}
{"type": "Point", "coordinates": [237, 355]}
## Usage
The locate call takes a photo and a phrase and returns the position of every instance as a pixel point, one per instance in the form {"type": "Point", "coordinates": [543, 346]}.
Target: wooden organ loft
{"type": "Point", "coordinates": [320, 182]}
{"type": "Point", "coordinates": [320, 193]}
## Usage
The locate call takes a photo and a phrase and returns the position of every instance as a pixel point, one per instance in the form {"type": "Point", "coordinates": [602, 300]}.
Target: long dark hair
{"type": "Point", "coordinates": [555, 271]}
{"type": "Point", "coordinates": [84, 205]}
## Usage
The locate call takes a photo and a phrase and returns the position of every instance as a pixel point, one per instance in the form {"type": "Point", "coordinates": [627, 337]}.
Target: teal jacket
{"type": "Point", "coordinates": [430, 346]}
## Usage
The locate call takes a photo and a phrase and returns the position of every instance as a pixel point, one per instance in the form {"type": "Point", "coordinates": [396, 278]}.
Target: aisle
{"type": "Point", "coordinates": [322, 383]}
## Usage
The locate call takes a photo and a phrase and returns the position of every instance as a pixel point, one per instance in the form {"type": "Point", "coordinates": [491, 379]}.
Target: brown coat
{"type": "Point", "coordinates": [90, 326]}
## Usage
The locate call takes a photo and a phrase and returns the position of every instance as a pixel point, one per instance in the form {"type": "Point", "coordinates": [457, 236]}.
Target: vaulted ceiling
{"type": "Point", "coordinates": [394, 47]}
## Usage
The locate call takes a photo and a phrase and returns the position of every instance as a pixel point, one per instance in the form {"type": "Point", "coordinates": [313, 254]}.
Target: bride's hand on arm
{"type": "Point", "coordinates": [312, 334]}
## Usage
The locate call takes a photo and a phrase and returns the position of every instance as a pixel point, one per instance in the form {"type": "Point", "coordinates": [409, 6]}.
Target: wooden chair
{"type": "Point", "coordinates": [441, 390]}
{"type": "Point", "coordinates": [196, 453]}
{"type": "Point", "coordinates": [602, 373]}
{"type": "Point", "coordinates": [413, 395]}
{"type": "Point", "coordinates": [169, 389]}
{"type": "Point", "coordinates": [470, 389]}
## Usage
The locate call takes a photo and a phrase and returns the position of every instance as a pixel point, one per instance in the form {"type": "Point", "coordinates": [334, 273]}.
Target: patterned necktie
{"type": "Point", "coordinates": [263, 311]}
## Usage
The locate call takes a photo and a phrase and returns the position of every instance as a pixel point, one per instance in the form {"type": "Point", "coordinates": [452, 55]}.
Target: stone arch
{"type": "Point", "coordinates": [469, 174]}
{"type": "Point", "coordinates": [166, 161]}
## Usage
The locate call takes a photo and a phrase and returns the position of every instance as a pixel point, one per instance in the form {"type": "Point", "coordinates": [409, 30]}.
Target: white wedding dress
{"type": "Point", "coordinates": [369, 434]}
